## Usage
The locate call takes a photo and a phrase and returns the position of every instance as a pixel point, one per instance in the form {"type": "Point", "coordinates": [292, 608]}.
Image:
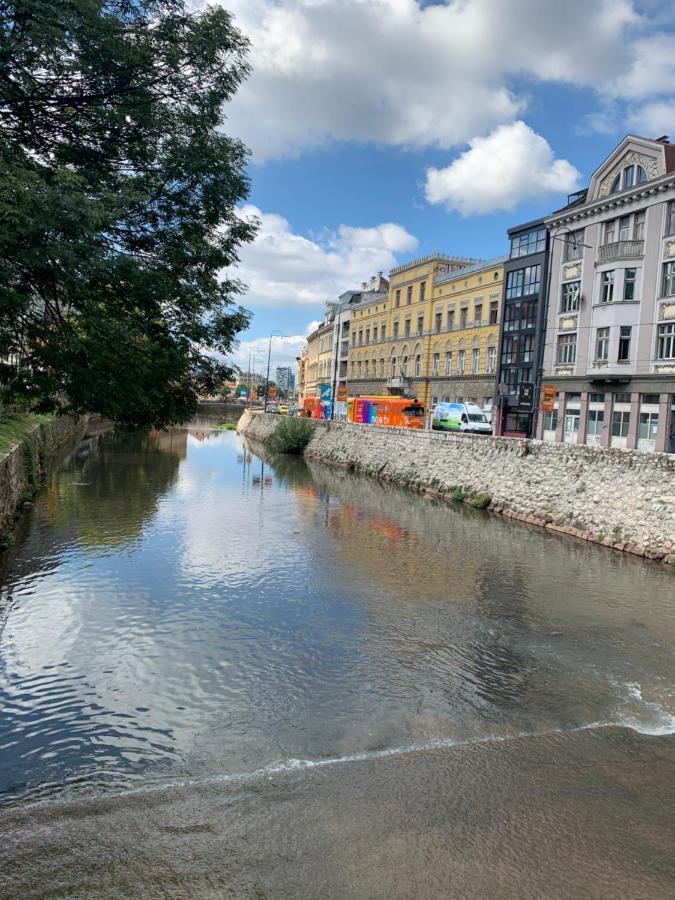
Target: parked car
{"type": "Point", "coordinates": [283, 409]}
{"type": "Point", "coordinates": [466, 417]}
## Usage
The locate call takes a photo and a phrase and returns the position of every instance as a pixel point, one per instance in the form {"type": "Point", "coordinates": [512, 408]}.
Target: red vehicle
{"type": "Point", "coordinates": [398, 412]}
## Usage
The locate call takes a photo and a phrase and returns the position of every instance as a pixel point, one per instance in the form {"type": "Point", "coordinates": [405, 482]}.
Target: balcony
{"type": "Point", "coordinates": [621, 250]}
{"type": "Point", "coordinates": [397, 382]}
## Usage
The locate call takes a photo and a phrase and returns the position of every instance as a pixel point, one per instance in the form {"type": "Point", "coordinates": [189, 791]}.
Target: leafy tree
{"type": "Point", "coordinates": [118, 195]}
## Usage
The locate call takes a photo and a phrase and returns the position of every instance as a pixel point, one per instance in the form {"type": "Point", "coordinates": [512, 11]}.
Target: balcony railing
{"type": "Point", "coordinates": [621, 250]}
{"type": "Point", "coordinates": [397, 382]}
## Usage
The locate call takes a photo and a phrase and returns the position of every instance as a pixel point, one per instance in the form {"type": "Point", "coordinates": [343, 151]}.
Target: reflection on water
{"type": "Point", "coordinates": [180, 605]}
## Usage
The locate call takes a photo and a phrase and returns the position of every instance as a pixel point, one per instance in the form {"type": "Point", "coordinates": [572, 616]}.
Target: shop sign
{"type": "Point", "coordinates": [548, 393]}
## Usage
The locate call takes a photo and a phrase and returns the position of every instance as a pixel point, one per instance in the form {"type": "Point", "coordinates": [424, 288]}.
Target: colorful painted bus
{"type": "Point", "coordinates": [398, 412]}
{"type": "Point", "coordinates": [315, 408]}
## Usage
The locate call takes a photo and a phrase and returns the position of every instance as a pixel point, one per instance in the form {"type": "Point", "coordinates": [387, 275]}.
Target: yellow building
{"type": "Point", "coordinates": [463, 343]}
{"type": "Point", "coordinates": [389, 341]}
{"type": "Point", "coordinates": [312, 365]}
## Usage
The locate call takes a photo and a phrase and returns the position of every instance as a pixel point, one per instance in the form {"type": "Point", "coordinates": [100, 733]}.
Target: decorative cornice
{"type": "Point", "coordinates": [585, 211]}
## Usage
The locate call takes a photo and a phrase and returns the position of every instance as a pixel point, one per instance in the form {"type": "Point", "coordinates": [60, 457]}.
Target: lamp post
{"type": "Point", "coordinates": [269, 355]}
{"type": "Point", "coordinates": [553, 236]}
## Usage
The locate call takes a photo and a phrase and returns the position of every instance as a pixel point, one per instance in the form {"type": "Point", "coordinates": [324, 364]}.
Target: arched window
{"type": "Point", "coordinates": [404, 367]}
{"type": "Point", "coordinates": [392, 367]}
{"type": "Point", "coordinates": [628, 178]}
{"type": "Point", "coordinates": [641, 175]}
{"type": "Point", "coordinates": [381, 367]}
{"type": "Point", "coordinates": [366, 367]}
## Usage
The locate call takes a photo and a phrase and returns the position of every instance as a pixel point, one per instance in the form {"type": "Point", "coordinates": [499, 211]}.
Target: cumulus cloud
{"type": "Point", "coordinates": [654, 119]}
{"type": "Point", "coordinates": [285, 269]}
{"type": "Point", "coordinates": [401, 73]}
{"type": "Point", "coordinates": [499, 171]}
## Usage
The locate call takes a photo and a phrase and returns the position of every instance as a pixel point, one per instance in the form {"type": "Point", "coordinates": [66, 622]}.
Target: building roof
{"type": "Point", "coordinates": [432, 257]}
{"type": "Point", "coordinates": [481, 266]}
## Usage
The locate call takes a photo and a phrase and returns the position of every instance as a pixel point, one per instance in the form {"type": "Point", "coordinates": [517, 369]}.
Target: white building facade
{"type": "Point", "coordinates": [610, 325]}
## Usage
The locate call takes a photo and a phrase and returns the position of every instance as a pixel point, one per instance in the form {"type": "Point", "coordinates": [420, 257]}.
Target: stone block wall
{"type": "Point", "coordinates": [620, 498]}
{"type": "Point", "coordinates": [23, 467]}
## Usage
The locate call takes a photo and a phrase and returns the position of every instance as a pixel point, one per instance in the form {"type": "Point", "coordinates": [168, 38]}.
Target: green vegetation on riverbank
{"type": "Point", "coordinates": [15, 427]}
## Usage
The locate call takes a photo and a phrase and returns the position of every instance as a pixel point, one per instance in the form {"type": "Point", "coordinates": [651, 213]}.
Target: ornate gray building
{"type": "Point", "coordinates": [610, 338]}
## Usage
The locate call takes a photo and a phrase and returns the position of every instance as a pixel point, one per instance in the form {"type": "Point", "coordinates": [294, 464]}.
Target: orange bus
{"type": "Point", "coordinates": [398, 412]}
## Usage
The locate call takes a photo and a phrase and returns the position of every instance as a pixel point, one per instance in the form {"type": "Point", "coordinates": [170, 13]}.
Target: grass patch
{"type": "Point", "coordinates": [480, 501]}
{"type": "Point", "coordinates": [16, 427]}
{"type": "Point", "coordinates": [291, 436]}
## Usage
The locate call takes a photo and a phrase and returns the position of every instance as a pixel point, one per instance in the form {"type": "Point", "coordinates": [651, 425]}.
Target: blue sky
{"type": "Point", "coordinates": [382, 130]}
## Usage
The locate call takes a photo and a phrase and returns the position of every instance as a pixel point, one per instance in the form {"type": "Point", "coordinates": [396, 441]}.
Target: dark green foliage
{"type": "Point", "coordinates": [480, 501]}
{"type": "Point", "coordinates": [118, 195]}
{"type": "Point", "coordinates": [291, 435]}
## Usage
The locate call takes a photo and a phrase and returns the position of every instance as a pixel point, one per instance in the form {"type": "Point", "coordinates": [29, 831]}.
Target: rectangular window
{"type": "Point", "coordinates": [451, 319]}
{"type": "Point", "coordinates": [670, 218]}
{"type": "Point", "coordinates": [475, 361]}
{"type": "Point", "coordinates": [624, 343]}
{"type": "Point", "coordinates": [531, 280]}
{"type": "Point", "coordinates": [408, 298]}
{"type": "Point", "coordinates": [460, 362]}
{"type": "Point", "coordinates": [648, 426]}
{"type": "Point", "coordinates": [665, 347]}
{"type": "Point", "coordinates": [639, 226]}
{"type": "Point", "coordinates": [596, 418]}
{"type": "Point", "coordinates": [509, 348]}
{"type": "Point", "coordinates": [463, 316]}
{"type": "Point", "coordinates": [367, 335]}
{"type": "Point", "coordinates": [624, 228]}
{"type": "Point", "coordinates": [630, 277]}
{"type": "Point", "coordinates": [407, 328]}
{"type": "Point", "coordinates": [551, 420]}
{"type": "Point", "coordinates": [491, 360]}
{"type": "Point", "coordinates": [398, 298]}
{"type": "Point", "coordinates": [669, 279]}
{"type": "Point", "coordinates": [573, 248]}
{"type": "Point", "coordinates": [436, 363]}
{"type": "Point", "coordinates": [607, 286]}
{"type": "Point", "coordinates": [477, 313]}
{"type": "Point", "coordinates": [532, 242]}
{"type": "Point", "coordinates": [570, 296]}
{"type": "Point", "coordinates": [395, 330]}
{"type": "Point", "coordinates": [423, 290]}
{"type": "Point", "coordinates": [448, 362]}
{"type": "Point", "coordinates": [514, 284]}
{"type": "Point", "coordinates": [494, 312]}
{"type": "Point", "coordinates": [418, 366]}
{"type": "Point", "coordinates": [360, 337]}
{"type": "Point", "coordinates": [374, 334]}
{"type": "Point", "coordinates": [384, 332]}
{"type": "Point", "coordinates": [512, 317]}
{"type": "Point", "coordinates": [365, 366]}
{"type": "Point", "coordinates": [438, 321]}
{"type": "Point", "coordinates": [602, 344]}
{"type": "Point", "coordinates": [528, 315]}
{"type": "Point", "coordinates": [620, 423]}
{"type": "Point", "coordinates": [353, 339]}
{"type": "Point", "coordinates": [420, 324]}
{"type": "Point", "coordinates": [567, 349]}
{"type": "Point", "coordinates": [526, 342]}
{"type": "Point", "coordinates": [610, 231]}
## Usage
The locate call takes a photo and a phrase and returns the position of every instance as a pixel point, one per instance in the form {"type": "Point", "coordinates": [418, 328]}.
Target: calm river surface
{"type": "Point", "coordinates": [223, 675]}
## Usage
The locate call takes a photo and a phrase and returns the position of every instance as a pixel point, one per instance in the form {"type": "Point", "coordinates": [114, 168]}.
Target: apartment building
{"type": "Point", "coordinates": [388, 350]}
{"type": "Point", "coordinates": [523, 328]}
{"type": "Point", "coordinates": [610, 346]}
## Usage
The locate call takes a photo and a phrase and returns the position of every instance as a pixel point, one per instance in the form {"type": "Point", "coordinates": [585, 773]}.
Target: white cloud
{"type": "Point", "coordinates": [284, 352]}
{"type": "Point", "coordinates": [394, 72]}
{"type": "Point", "coordinates": [651, 71]}
{"type": "Point", "coordinates": [654, 119]}
{"type": "Point", "coordinates": [285, 269]}
{"type": "Point", "coordinates": [499, 171]}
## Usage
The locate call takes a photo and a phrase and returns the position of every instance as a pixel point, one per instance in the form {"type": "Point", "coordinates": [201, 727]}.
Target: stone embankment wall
{"type": "Point", "coordinates": [22, 469]}
{"type": "Point", "coordinates": [619, 498]}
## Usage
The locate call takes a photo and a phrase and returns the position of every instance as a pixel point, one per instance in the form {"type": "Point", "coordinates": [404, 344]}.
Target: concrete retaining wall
{"type": "Point", "coordinates": [23, 467]}
{"type": "Point", "coordinates": [620, 498]}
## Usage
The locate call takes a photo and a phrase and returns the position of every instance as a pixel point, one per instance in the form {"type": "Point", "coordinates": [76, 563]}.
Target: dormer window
{"type": "Point", "coordinates": [628, 178]}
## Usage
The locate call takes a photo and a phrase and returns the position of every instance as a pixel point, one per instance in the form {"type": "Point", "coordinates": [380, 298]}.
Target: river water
{"type": "Point", "coordinates": [228, 675]}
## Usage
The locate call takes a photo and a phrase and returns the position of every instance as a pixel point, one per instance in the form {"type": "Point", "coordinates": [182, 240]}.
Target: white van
{"type": "Point", "coordinates": [460, 417]}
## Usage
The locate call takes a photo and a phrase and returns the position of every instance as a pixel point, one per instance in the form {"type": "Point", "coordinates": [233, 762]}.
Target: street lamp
{"type": "Point", "coordinates": [274, 333]}
{"type": "Point", "coordinates": [553, 236]}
